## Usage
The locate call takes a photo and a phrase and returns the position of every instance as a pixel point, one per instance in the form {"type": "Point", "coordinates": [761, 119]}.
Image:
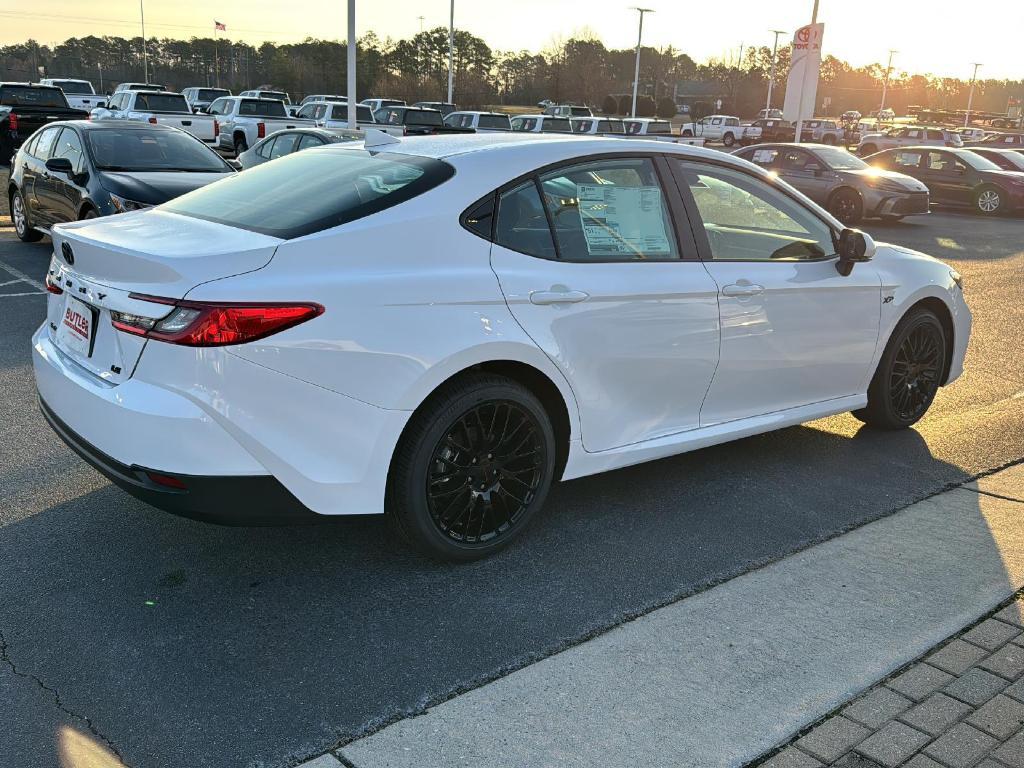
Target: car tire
{"type": "Point", "coordinates": [988, 200]}
{"type": "Point", "coordinates": [474, 465]}
{"type": "Point", "coordinates": [908, 374]}
{"type": "Point", "coordinates": [728, 139]}
{"type": "Point", "coordinates": [19, 217]}
{"type": "Point", "coordinates": [846, 206]}
{"type": "Point", "coordinates": [240, 145]}
{"type": "Point", "coordinates": [867, 149]}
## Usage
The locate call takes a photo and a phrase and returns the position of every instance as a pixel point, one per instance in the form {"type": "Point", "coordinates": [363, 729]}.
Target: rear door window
{"type": "Point", "coordinates": [284, 145]}
{"type": "Point", "coordinates": [522, 224]}
{"type": "Point", "coordinates": [906, 159]}
{"type": "Point", "coordinates": [609, 210]}
{"type": "Point", "coordinates": [45, 144]}
{"type": "Point", "coordinates": [308, 192]}
{"type": "Point", "coordinates": [309, 141]}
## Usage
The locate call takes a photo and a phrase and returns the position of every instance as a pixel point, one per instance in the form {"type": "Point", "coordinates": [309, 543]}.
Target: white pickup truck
{"type": "Point", "coordinates": [159, 108]}
{"type": "Point", "coordinates": [333, 115]}
{"type": "Point", "coordinates": [79, 93]}
{"type": "Point", "coordinates": [723, 128]}
{"type": "Point", "coordinates": [657, 130]}
{"type": "Point", "coordinates": [241, 121]}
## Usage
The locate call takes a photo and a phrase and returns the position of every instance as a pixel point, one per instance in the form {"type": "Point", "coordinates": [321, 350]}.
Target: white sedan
{"type": "Point", "coordinates": [436, 330]}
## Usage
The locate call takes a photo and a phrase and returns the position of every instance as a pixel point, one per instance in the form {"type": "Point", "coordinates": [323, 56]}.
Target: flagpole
{"type": "Point", "coordinates": [145, 53]}
{"type": "Point", "coordinates": [216, 56]}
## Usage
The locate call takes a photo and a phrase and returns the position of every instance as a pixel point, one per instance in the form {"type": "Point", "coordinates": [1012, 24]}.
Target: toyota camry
{"type": "Point", "coordinates": [436, 329]}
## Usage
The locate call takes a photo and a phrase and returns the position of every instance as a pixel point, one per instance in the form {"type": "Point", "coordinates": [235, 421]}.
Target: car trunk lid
{"type": "Point", "coordinates": [102, 267]}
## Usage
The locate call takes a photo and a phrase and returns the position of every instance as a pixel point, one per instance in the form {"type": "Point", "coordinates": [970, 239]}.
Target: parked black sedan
{"type": "Point", "coordinates": [79, 170]}
{"type": "Point", "coordinates": [957, 176]}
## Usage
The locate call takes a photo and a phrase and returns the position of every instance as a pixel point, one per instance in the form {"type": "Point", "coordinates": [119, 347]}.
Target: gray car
{"type": "Point", "coordinates": [281, 143]}
{"type": "Point", "coordinates": [841, 182]}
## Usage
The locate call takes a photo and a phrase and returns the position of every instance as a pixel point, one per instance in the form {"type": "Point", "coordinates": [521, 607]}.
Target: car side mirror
{"type": "Point", "coordinates": [854, 246]}
{"type": "Point", "coordinates": [60, 165]}
{"type": "Point", "coordinates": [234, 163]}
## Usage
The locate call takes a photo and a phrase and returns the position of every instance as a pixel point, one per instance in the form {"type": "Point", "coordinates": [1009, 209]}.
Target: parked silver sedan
{"type": "Point", "coordinates": [281, 143]}
{"type": "Point", "coordinates": [841, 182]}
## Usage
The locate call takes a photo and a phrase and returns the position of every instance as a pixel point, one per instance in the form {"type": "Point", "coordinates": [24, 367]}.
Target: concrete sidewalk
{"type": "Point", "coordinates": [720, 678]}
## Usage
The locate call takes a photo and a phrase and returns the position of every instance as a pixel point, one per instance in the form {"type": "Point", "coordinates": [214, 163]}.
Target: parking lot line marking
{"type": "Point", "coordinates": [22, 276]}
{"type": "Point", "coordinates": [30, 293]}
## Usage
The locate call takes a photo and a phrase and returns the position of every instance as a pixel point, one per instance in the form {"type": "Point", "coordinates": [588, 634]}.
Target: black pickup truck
{"type": "Point", "coordinates": [24, 108]}
{"type": "Point", "coordinates": [416, 121]}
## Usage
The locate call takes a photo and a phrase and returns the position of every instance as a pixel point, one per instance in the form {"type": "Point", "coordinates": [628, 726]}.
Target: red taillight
{"type": "Point", "coordinates": [261, 130]}
{"type": "Point", "coordinates": [12, 120]}
{"type": "Point", "coordinates": [205, 324]}
{"type": "Point", "coordinates": [52, 286]}
{"type": "Point", "coordinates": [216, 129]}
{"type": "Point", "coordinates": [167, 481]}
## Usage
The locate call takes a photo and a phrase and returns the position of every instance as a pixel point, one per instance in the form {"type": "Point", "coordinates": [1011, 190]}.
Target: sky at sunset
{"type": "Point", "coordinates": [859, 32]}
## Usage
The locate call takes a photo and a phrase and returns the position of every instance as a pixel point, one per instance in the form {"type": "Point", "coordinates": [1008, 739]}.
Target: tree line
{"type": "Point", "coordinates": [579, 69]}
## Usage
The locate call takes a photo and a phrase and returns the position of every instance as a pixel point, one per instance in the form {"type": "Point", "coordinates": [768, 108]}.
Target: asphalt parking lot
{"type": "Point", "coordinates": [175, 643]}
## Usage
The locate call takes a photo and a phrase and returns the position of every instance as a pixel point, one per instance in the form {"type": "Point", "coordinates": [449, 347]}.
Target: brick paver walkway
{"type": "Point", "coordinates": [960, 706]}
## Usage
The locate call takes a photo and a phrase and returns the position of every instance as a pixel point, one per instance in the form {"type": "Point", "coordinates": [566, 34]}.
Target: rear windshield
{"type": "Point", "coordinates": [261, 108]}
{"type": "Point", "coordinates": [610, 126]}
{"type": "Point", "coordinates": [145, 149]}
{"type": "Point", "coordinates": [495, 121]}
{"type": "Point", "coordinates": [209, 94]}
{"type": "Point", "coordinates": [307, 192]}
{"type": "Point", "coordinates": [659, 127]}
{"type": "Point", "coordinates": [161, 102]}
{"type": "Point", "coordinates": [146, 87]}
{"type": "Point", "coordinates": [274, 95]}
{"type": "Point", "coordinates": [417, 117]}
{"type": "Point", "coordinates": [27, 96]}
{"type": "Point", "coordinates": [556, 125]}
{"type": "Point", "coordinates": [340, 112]}
{"type": "Point", "coordinates": [74, 86]}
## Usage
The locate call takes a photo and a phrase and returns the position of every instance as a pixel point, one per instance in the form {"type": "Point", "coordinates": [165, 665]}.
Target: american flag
{"type": "Point", "coordinates": [218, 26]}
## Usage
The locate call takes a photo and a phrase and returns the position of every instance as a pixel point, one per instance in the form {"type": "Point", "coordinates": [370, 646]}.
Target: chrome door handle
{"type": "Point", "coordinates": [742, 289]}
{"type": "Point", "coordinates": [558, 297]}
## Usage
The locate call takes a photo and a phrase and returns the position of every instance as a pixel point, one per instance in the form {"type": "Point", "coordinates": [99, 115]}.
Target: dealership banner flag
{"type": "Point", "coordinates": [802, 85]}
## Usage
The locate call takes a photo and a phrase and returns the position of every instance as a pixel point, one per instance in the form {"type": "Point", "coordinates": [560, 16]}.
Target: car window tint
{"type": "Point", "coordinates": [70, 146]}
{"type": "Point", "coordinates": [284, 145]}
{"type": "Point", "coordinates": [307, 192]}
{"type": "Point", "coordinates": [557, 125]}
{"type": "Point", "coordinates": [308, 141]}
{"type": "Point", "coordinates": [935, 135]}
{"type": "Point", "coordinates": [659, 127]}
{"type": "Point", "coordinates": [260, 108]}
{"type": "Point", "coordinates": [799, 161]}
{"type": "Point", "coordinates": [522, 224]}
{"type": "Point", "coordinates": [31, 96]}
{"type": "Point", "coordinates": [29, 147]}
{"type": "Point", "coordinates": [609, 209]}
{"type": "Point", "coordinates": [492, 121]}
{"type": "Point", "coordinates": [747, 219]}
{"type": "Point", "coordinates": [161, 102]}
{"type": "Point", "coordinates": [45, 144]}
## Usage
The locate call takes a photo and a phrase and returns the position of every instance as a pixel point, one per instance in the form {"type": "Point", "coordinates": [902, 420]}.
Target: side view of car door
{"type": "Point", "coordinates": [794, 331]}
{"type": "Point", "coordinates": [946, 177]}
{"type": "Point", "coordinates": [35, 176]}
{"type": "Point", "coordinates": [805, 172]}
{"type": "Point", "coordinates": [598, 265]}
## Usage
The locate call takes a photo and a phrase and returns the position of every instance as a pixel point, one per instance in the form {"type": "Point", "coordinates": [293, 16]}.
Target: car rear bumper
{"type": "Point", "coordinates": [227, 500]}
{"type": "Point", "coordinates": [221, 424]}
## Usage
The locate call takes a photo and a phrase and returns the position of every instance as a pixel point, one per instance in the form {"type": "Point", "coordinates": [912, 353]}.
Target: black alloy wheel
{"type": "Point", "coordinates": [846, 206]}
{"type": "Point", "coordinates": [485, 471]}
{"type": "Point", "coordinates": [909, 373]}
{"type": "Point", "coordinates": [473, 466]}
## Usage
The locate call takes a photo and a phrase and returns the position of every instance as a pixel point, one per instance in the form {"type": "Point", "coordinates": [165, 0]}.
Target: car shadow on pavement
{"type": "Point", "coordinates": [190, 643]}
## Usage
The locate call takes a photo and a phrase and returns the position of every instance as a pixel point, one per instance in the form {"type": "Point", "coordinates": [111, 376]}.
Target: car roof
{"type": "Point", "coordinates": [109, 125]}
{"type": "Point", "coordinates": [453, 145]}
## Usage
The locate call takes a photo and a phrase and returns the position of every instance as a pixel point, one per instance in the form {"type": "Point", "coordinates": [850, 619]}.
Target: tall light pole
{"type": "Point", "coordinates": [775, 59]}
{"type": "Point", "coordinates": [451, 52]}
{"type": "Point", "coordinates": [145, 53]}
{"type": "Point", "coordinates": [350, 68]}
{"type": "Point", "coordinates": [636, 67]}
{"type": "Point", "coordinates": [885, 83]}
{"type": "Point", "coordinates": [421, 18]}
{"type": "Point", "coordinates": [970, 98]}
{"type": "Point", "coordinates": [803, 83]}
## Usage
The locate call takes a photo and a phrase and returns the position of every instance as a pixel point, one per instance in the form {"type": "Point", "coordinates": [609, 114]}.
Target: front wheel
{"type": "Point", "coordinates": [908, 374]}
{"type": "Point", "coordinates": [473, 467]}
{"type": "Point", "coordinates": [846, 206]}
{"type": "Point", "coordinates": [19, 216]}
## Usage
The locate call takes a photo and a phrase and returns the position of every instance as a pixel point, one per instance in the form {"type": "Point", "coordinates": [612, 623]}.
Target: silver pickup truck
{"type": "Point", "coordinates": [159, 108]}
{"type": "Point", "coordinates": [241, 121]}
{"type": "Point", "coordinates": [79, 93]}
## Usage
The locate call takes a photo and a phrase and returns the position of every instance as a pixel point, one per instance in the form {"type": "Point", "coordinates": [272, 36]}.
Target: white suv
{"type": "Point", "coordinates": [907, 136]}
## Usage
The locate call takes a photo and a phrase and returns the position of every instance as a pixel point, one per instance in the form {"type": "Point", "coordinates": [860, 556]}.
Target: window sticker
{"type": "Point", "coordinates": [764, 155]}
{"type": "Point", "coordinates": [619, 220]}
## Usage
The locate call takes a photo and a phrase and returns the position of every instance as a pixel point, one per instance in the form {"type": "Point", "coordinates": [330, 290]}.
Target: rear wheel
{"type": "Point", "coordinates": [846, 206]}
{"type": "Point", "coordinates": [240, 145]}
{"type": "Point", "coordinates": [473, 467]}
{"type": "Point", "coordinates": [988, 201]}
{"type": "Point", "coordinates": [728, 139]}
{"type": "Point", "coordinates": [908, 374]}
{"type": "Point", "coordinates": [19, 216]}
